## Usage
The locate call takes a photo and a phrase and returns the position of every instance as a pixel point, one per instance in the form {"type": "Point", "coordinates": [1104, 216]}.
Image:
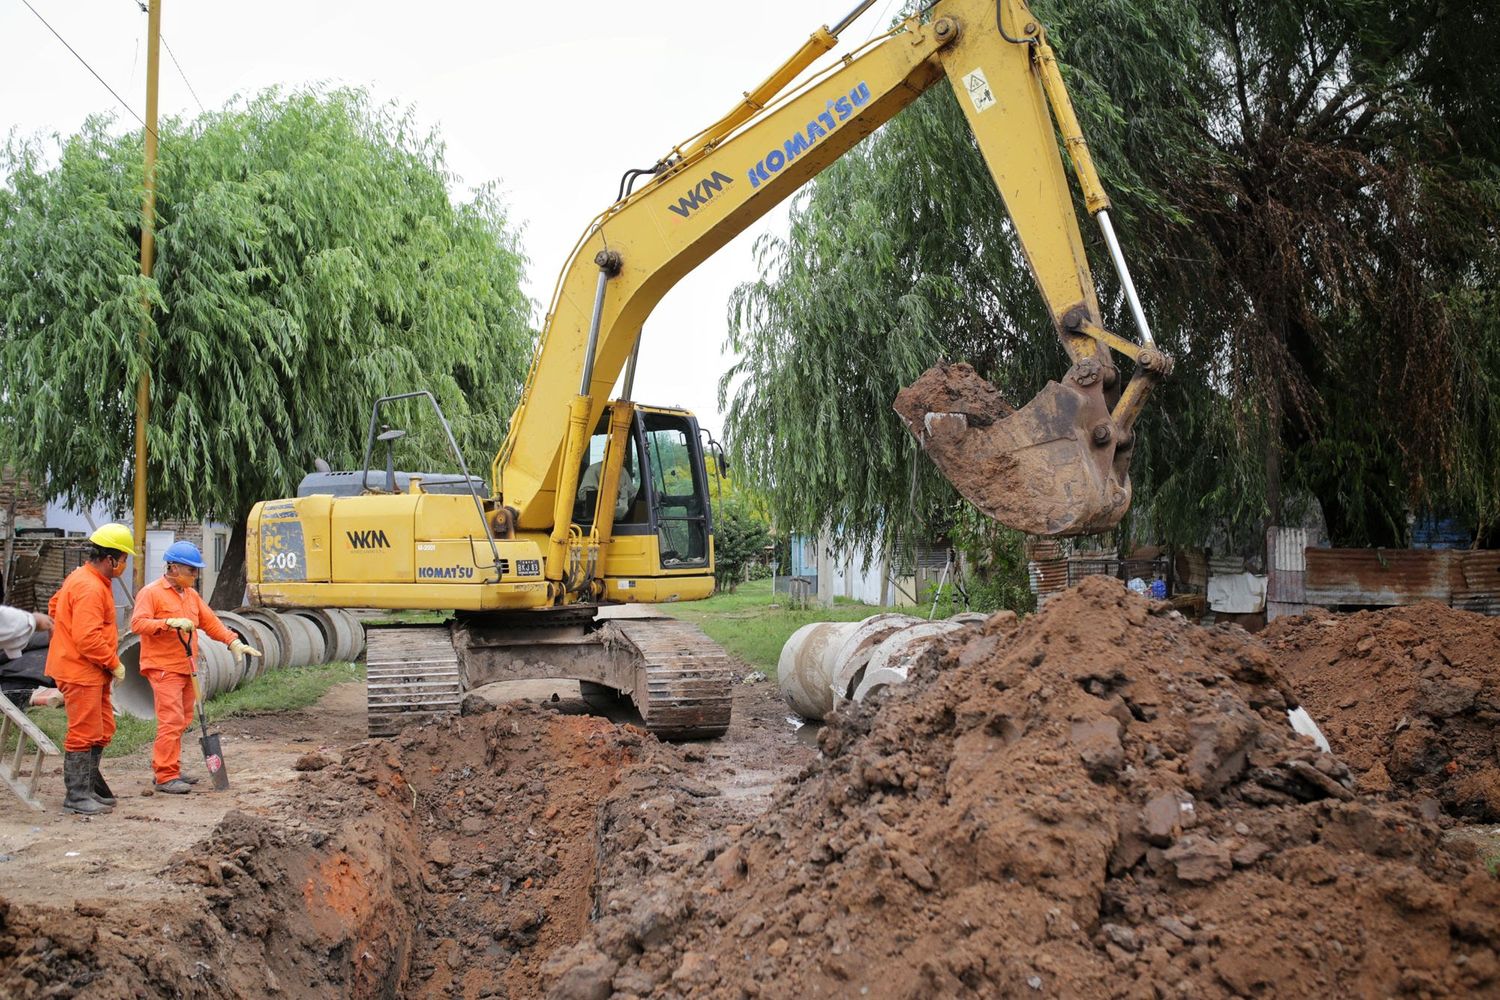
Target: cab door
{"type": "Point", "coordinates": [677, 487]}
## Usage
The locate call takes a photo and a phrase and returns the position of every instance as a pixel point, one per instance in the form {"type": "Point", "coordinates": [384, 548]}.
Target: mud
{"type": "Point", "coordinates": [443, 863]}
{"type": "Point", "coordinates": [1409, 698]}
{"type": "Point", "coordinates": [1097, 802]}
{"type": "Point", "coordinates": [1038, 469]}
{"type": "Point", "coordinates": [451, 861]}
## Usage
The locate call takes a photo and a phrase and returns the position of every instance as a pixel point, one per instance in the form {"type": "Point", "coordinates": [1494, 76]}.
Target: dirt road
{"type": "Point", "coordinates": [52, 856]}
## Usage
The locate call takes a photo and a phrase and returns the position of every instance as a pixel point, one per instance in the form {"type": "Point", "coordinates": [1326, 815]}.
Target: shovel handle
{"type": "Point", "coordinates": [202, 703]}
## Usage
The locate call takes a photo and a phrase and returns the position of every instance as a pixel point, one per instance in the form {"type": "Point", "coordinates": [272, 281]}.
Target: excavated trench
{"type": "Point", "coordinates": [449, 862]}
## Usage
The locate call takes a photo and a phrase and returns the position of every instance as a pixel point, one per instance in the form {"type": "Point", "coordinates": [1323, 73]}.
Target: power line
{"type": "Point", "coordinates": [146, 10]}
{"type": "Point", "coordinates": [182, 74]}
{"type": "Point", "coordinates": [86, 66]}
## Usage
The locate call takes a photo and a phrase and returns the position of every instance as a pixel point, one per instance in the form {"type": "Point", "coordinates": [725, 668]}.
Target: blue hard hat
{"type": "Point", "coordinates": [184, 553]}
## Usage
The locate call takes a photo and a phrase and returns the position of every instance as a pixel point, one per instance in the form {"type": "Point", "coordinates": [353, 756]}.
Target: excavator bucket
{"type": "Point", "coordinates": [1053, 467]}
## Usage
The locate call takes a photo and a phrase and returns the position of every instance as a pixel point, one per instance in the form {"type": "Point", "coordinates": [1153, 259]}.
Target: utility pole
{"type": "Point", "coordinates": [148, 254]}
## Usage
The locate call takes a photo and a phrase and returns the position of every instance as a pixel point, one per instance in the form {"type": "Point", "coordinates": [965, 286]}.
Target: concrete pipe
{"type": "Point", "coordinates": [260, 635]}
{"type": "Point", "coordinates": [226, 671]}
{"type": "Point", "coordinates": [302, 643]}
{"type": "Point", "coordinates": [849, 659]}
{"type": "Point", "coordinates": [356, 650]}
{"type": "Point", "coordinates": [133, 694]}
{"type": "Point", "coordinates": [891, 661]}
{"type": "Point", "coordinates": [969, 618]}
{"type": "Point", "coordinates": [803, 670]}
{"type": "Point", "coordinates": [217, 673]}
{"type": "Point", "coordinates": [347, 638]}
{"type": "Point", "coordinates": [270, 621]}
{"type": "Point", "coordinates": [335, 628]}
{"type": "Point", "coordinates": [308, 646]}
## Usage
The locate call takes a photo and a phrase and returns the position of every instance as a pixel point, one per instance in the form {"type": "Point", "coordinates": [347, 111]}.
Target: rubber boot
{"type": "Point", "coordinates": [78, 775]}
{"type": "Point", "coordinates": [98, 787]}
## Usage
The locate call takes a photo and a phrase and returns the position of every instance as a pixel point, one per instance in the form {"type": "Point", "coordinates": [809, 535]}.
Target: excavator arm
{"type": "Point", "coordinates": [1057, 466]}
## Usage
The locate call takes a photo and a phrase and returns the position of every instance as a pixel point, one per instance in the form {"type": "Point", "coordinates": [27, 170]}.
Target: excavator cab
{"type": "Point", "coordinates": [661, 515]}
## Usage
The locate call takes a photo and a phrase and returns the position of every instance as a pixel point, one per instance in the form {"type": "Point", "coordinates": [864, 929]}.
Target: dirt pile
{"type": "Point", "coordinates": [450, 861]}
{"type": "Point", "coordinates": [1096, 802]}
{"type": "Point", "coordinates": [1409, 698]}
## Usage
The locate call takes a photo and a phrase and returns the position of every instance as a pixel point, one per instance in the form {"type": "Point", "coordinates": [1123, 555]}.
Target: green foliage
{"type": "Point", "coordinates": [1308, 195]}
{"type": "Point", "coordinates": [753, 623]}
{"type": "Point", "coordinates": [741, 536]}
{"type": "Point", "coordinates": [309, 258]}
{"type": "Point", "coordinates": [284, 690]}
{"type": "Point", "coordinates": [130, 733]}
{"type": "Point", "coordinates": [277, 691]}
{"type": "Point", "coordinates": [995, 562]}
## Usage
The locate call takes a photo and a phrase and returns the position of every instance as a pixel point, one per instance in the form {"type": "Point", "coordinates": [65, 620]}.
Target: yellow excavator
{"type": "Point", "coordinates": [600, 507]}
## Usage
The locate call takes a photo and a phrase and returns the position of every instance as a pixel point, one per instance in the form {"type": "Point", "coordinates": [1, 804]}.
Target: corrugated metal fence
{"type": "Point", "coordinates": [1467, 579]}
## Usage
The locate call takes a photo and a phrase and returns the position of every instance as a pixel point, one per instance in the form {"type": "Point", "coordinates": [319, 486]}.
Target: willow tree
{"type": "Point", "coordinates": [1308, 195]}
{"type": "Point", "coordinates": [309, 258]}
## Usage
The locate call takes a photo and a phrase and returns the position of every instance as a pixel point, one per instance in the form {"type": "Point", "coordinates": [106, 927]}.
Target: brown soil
{"type": "Point", "coordinates": [1097, 802]}
{"type": "Point", "coordinates": [1409, 698]}
{"type": "Point", "coordinates": [450, 861]}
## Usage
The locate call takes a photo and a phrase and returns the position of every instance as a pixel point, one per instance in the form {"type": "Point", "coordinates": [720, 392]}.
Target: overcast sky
{"type": "Point", "coordinates": [554, 101]}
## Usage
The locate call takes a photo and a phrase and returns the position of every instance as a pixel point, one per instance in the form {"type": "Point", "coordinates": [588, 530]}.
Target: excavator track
{"type": "Point", "coordinates": [685, 682]}
{"type": "Point", "coordinates": [679, 679]}
{"type": "Point", "coordinates": [411, 676]}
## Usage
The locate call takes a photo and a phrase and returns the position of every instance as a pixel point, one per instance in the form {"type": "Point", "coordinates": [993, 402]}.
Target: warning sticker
{"type": "Point", "coordinates": [979, 90]}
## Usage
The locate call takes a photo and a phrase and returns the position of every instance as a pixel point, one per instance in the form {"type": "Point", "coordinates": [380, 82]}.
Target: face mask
{"type": "Point", "coordinates": [119, 567]}
{"type": "Point", "coordinates": [182, 578]}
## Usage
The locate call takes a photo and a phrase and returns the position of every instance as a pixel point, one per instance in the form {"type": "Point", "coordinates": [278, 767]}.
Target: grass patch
{"type": "Point", "coordinates": [130, 733]}
{"type": "Point", "coordinates": [754, 623]}
{"type": "Point", "coordinates": [409, 618]}
{"type": "Point", "coordinates": [278, 691]}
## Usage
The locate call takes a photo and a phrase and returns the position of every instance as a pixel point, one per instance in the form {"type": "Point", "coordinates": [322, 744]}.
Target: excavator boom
{"type": "Point", "coordinates": [605, 502]}
{"type": "Point", "coordinates": [1058, 466]}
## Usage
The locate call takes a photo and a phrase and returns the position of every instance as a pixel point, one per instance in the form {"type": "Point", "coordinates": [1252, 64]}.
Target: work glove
{"type": "Point", "coordinates": [183, 625]}
{"type": "Point", "coordinates": [237, 647]}
{"type": "Point", "coordinates": [118, 671]}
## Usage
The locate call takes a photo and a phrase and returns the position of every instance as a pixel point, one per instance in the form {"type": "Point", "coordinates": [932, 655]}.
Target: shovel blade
{"type": "Point", "coordinates": [1038, 469]}
{"type": "Point", "coordinates": [213, 759]}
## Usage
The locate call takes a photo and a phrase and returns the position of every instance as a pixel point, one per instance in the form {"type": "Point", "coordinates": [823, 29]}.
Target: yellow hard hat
{"type": "Point", "coordinates": [114, 536]}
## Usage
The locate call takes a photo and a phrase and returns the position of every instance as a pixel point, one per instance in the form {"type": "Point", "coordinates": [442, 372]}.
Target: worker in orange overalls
{"type": "Point", "coordinates": [82, 658]}
{"type": "Point", "coordinates": [168, 614]}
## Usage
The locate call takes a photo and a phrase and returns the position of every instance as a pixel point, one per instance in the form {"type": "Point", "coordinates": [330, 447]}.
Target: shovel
{"type": "Point", "coordinates": [213, 753]}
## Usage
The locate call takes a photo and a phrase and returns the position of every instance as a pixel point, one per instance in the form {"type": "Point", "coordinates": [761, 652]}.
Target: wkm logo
{"type": "Point", "coordinates": [368, 539]}
{"type": "Point", "coordinates": [701, 194]}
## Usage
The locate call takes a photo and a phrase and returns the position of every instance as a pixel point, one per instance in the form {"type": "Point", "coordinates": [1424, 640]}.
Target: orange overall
{"type": "Point", "coordinates": [169, 667]}
{"type": "Point", "coordinates": [83, 651]}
